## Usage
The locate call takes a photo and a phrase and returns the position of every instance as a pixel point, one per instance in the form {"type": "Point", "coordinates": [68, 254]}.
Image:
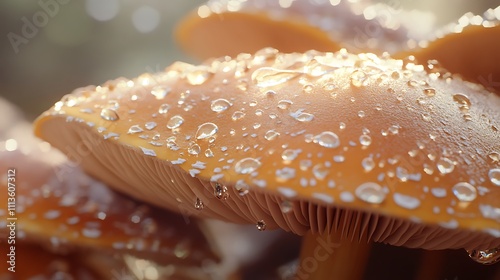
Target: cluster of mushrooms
{"type": "Point", "coordinates": [344, 138]}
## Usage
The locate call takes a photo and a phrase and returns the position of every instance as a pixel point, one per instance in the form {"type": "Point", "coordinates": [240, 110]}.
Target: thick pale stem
{"type": "Point", "coordinates": [328, 256]}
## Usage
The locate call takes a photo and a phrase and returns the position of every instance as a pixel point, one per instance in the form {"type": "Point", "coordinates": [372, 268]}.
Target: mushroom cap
{"type": "Point", "coordinates": [361, 144]}
{"type": "Point", "coordinates": [223, 27]}
{"type": "Point", "coordinates": [65, 211]}
{"type": "Point", "coordinates": [468, 47]}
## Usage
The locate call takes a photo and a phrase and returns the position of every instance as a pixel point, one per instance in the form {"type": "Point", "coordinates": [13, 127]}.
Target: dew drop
{"type": "Point", "coordinates": [284, 104]}
{"type": "Point", "coordinates": [445, 165]}
{"type": "Point", "coordinates": [220, 105]}
{"type": "Point", "coordinates": [308, 88]}
{"type": "Point", "coordinates": [160, 92]}
{"type": "Point", "coordinates": [271, 135]}
{"type": "Point", "coordinates": [238, 115]}
{"type": "Point", "coordinates": [175, 122]}
{"type": "Point", "coordinates": [163, 109]}
{"type": "Point", "coordinates": [464, 191]}
{"type": "Point", "coordinates": [246, 165]}
{"type": "Point", "coordinates": [198, 205]}
{"type": "Point", "coordinates": [361, 114]}
{"type": "Point", "coordinates": [430, 92]}
{"type": "Point", "coordinates": [206, 130]}
{"type": "Point", "coordinates": [91, 232]}
{"type": "Point", "coordinates": [150, 125]}
{"type": "Point", "coordinates": [109, 114]}
{"type": "Point", "coordinates": [241, 187]}
{"type": "Point", "coordinates": [148, 152]}
{"type": "Point", "coordinates": [134, 129]}
{"type": "Point", "coordinates": [494, 175]}
{"type": "Point", "coordinates": [486, 257]}
{"type": "Point", "coordinates": [320, 171]}
{"type": "Point", "coordinates": [302, 117]}
{"type": "Point", "coordinates": [327, 139]}
{"type": "Point", "coordinates": [358, 78]}
{"type": "Point", "coordinates": [463, 101]}
{"type": "Point", "coordinates": [286, 206]}
{"type": "Point", "coordinates": [268, 76]}
{"type": "Point", "coordinates": [368, 164]}
{"type": "Point", "coordinates": [406, 201]}
{"type": "Point", "coordinates": [198, 76]}
{"type": "Point", "coordinates": [494, 156]}
{"type": "Point", "coordinates": [370, 192]}
{"type": "Point", "coordinates": [365, 140]}
{"type": "Point", "coordinates": [194, 149]}
{"type": "Point", "coordinates": [289, 154]}
{"type": "Point", "coordinates": [261, 225]}
{"type": "Point", "coordinates": [209, 153]}
{"type": "Point", "coordinates": [220, 191]}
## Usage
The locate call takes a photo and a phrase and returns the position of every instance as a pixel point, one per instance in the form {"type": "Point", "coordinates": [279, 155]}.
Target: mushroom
{"type": "Point", "coordinates": [296, 26]}
{"type": "Point", "coordinates": [468, 47]}
{"type": "Point", "coordinates": [344, 149]}
{"type": "Point", "coordinates": [43, 264]}
{"type": "Point", "coordinates": [57, 211]}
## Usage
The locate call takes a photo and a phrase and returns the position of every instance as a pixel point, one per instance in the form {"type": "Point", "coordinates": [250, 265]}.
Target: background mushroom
{"type": "Point", "coordinates": [62, 213]}
{"type": "Point", "coordinates": [468, 47]}
{"type": "Point", "coordinates": [298, 26]}
{"type": "Point", "coordinates": [347, 147]}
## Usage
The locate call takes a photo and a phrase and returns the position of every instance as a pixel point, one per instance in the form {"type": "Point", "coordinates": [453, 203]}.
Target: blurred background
{"type": "Point", "coordinates": [82, 42]}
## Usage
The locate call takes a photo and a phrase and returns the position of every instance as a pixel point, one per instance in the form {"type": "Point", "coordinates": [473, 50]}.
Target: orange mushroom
{"type": "Point", "coordinates": [223, 27]}
{"type": "Point", "coordinates": [344, 149]}
{"type": "Point", "coordinates": [468, 47]}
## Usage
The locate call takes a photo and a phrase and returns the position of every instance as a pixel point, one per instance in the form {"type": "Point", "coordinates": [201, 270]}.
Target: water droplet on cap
{"type": "Point", "coordinates": [430, 92]}
{"type": "Point", "coordinates": [284, 104]}
{"type": "Point", "coordinates": [368, 164]}
{"type": "Point", "coordinates": [238, 115]}
{"type": "Point", "coordinates": [494, 175]}
{"type": "Point", "coordinates": [268, 76]}
{"type": "Point", "coordinates": [445, 165]}
{"type": "Point", "coordinates": [464, 192]}
{"type": "Point", "coordinates": [327, 139]}
{"type": "Point", "coordinates": [134, 129]}
{"type": "Point", "coordinates": [175, 122]}
{"type": "Point", "coordinates": [198, 76]}
{"type": "Point", "coordinates": [463, 101]}
{"type": "Point", "coordinates": [247, 165]}
{"type": "Point", "coordinates": [150, 125]}
{"type": "Point", "coordinates": [163, 109]}
{"type": "Point", "coordinates": [206, 130]}
{"type": "Point", "coordinates": [370, 192]}
{"type": "Point", "coordinates": [365, 140]}
{"type": "Point", "coordinates": [160, 92]}
{"type": "Point", "coordinates": [271, 135]}
{"type": "Point", "coordinates": [109, 114]}
{"type": "Point", "coordinates": [220, 105]}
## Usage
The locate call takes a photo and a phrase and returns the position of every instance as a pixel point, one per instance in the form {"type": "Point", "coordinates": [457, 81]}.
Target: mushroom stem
{"type": "Point", "coordinates": [431, 264]}
{"type": "Point", "coordinates": [329, 256]}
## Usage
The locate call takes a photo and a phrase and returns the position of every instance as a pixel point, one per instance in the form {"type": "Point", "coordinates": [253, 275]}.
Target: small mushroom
{"type": "Point", "coordinates": [63, 208]}
{"type": "Point", "coordinates": [468, 47]}
{"type": "Point", "coordinates": [344, 149]}
{"type": "Point", "coordinates": [216, 28]}
{"type": "Point", "coordinates": [35, 262]}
